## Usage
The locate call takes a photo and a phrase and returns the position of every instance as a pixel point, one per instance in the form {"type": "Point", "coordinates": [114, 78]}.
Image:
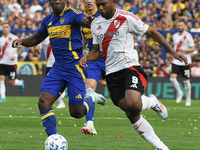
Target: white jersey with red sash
{"type": "Point", "coordinates": [48, 52]}
{"type": "Point", "coordinates": [115, 38]}
{"type": "Point", "coordinates": [7, 50]}
{"type": "Point", "coordinates": [185, 41]}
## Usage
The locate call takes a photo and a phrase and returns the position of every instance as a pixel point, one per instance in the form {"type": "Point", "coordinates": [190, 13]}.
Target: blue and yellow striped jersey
{"type": "Point", "coordinates": [65, 36]}
{"type": "Point", "coordinates": [87, 32]}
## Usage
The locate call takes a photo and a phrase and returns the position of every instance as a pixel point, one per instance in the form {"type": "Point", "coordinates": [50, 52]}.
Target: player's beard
{"type": "Point", "coordinates": [181, 30]}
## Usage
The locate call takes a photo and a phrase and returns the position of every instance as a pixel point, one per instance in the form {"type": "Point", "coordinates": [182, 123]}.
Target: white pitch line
{"type": "Point", "coordinates": [103, 118]}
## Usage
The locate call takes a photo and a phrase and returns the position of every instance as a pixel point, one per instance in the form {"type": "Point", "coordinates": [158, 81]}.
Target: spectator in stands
{"type": "Point", "coordinates": [148, 69]}
{"type": "Point", "coordinates": [35, 7]}
{"type": "Point", "coordinates": [196, 27]}
{"type": "Point", "coordinates": [178, 5]}
{"type": "Point", "coordinates": [195, 71]}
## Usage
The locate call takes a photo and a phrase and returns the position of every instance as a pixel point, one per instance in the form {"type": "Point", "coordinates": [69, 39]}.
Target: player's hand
{"type": "Point", "coordinates": [90, 18]}
{"type": "Point", "coordinates": [16, 43]}
{"type": "Point", "coordinates": [180, 57]}
{"type": "Point", "coordinates": [12, 58]}
{"type": "Point", "coordinates": [82, 62]}
{"type": "Point", "coordinates": [181, 50]}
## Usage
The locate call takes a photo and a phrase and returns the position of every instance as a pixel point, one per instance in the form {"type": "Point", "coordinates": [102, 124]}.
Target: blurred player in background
{"type": "Point", "coordinates": [113, 37]}
{"type": "Point", "coordinates": [183, 44]}
{"type": "Point", "coordinates": [95, 70]}
{"type": "Point", "coordinates": [50, 61]}
{"type": "Point", "coordinates": [63, 26]}
{"type": "Point", "coordinates": [8, 61]}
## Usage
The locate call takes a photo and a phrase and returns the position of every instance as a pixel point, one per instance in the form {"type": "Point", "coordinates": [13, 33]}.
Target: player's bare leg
{"type": "Point", "coordinates": [132, 106]}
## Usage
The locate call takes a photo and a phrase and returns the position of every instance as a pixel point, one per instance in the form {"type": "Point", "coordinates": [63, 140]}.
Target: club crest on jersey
{"type": "Point", "coordinates": [62, 19]}
{"type": "Point", "coordinates": [116, 23]}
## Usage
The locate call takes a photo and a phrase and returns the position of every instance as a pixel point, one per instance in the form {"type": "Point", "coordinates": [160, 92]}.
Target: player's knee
{"type": "Point", "coordinates": [44, 103]}
{"type": "Point", "coordinates": [76, 114]}
{"type": "Point", "coordinates": [12, 82]}
{"type": "Point", "coordinates": [133, 105]}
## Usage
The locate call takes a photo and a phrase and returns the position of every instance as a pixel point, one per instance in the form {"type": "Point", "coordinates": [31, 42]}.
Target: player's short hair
{"type": "Point", "coordinates": [6, 22]}
{"type": "Point", "coordinates": [181, 20]}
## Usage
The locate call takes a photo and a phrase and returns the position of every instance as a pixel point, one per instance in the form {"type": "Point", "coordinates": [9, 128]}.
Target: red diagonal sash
{"type": "Point", "coordinates": [48, 51]}
{"type": "Point", "coordinates": [180, 43]}
{"type": "Point", "coordinates": [114, 26]}
{"type": "Point", "coordinates": [5, 46]}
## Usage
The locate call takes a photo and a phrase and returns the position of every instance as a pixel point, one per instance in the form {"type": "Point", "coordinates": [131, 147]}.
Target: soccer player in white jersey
{"type": "Point", "coordinates": [113, 37]}
{"type": "Point", "coordinates": [183, 44]}
{"type": "Point", "coordinates": [8, 61]}
{"type": "Point", "coordinates": [50, 61]}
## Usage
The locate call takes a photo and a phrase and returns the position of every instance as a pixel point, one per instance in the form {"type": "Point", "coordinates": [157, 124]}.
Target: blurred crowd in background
{"type": "Point", "coordinates": [25, 17]}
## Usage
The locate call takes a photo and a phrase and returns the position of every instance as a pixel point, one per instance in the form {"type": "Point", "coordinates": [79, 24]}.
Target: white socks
{"type": "Point", "coordinates": [187, 86]}
{"type": "Point", "coordinates": [147, 102]}
{"type": "Point", "coordinates": [147, 132]}
{"type": "Point", "coordinates": [3, 89]}
{"type": "Point", "coordinates": [90, 123]}
{"type": "Point", "coordinates": [62, 95]}
{"type": "Point", "coordinates": [176, 84]}
{"type": "Point", "coordinates": [18, 82]}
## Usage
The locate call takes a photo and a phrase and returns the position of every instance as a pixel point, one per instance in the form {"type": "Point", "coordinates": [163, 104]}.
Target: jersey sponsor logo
{"type": "Point", "coordinates": [108, 34]}
{"type": "Point", "coordinates": [50, 23]}
{"type": "Point", "coordinates": [79, 96]}
{"type": "Point", "coordinates": [99, 27]}
{"type": "Point", "coordinates": [59, 31]}
{"type": "Point", "coordinates": [116, 23]}
{"type": "Point", "coordinates": [62, 20]}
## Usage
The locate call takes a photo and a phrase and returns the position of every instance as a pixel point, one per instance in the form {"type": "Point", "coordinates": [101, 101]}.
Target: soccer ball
{"type": "Point", "coordinates": [56, 142]}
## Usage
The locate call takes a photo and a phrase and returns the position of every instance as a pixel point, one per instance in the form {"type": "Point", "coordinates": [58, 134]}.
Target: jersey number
{"type": "Point", "coordinates": [12, 75]}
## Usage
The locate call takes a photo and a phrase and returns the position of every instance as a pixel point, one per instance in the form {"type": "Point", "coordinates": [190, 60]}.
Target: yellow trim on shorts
{"type": "Point", "coordinates": [81, 72]}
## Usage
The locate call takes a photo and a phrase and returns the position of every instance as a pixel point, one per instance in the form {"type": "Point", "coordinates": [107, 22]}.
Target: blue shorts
{"type": "Point", "coordinates": [96, 70]}
{"type": "Point", "coordinates": [60, 77]}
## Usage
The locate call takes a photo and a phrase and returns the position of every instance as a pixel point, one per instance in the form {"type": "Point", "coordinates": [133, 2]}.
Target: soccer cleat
{"type": "Point", "coordinates": [21, 87]}
{"type": "Point", "coordinates": [188, 102]}
{"type": "Point", "coordinates": [159, 108]}
{"type": "Point", "coordinates": [61, 105]}
{"type": "Point", "coordinates": [179, 98]}
{"type": "Point", "coordinates": [89, 130]}
{"type": "Point", "coordinates": [96, 98]}
{"type": "Point", "coordinates": [2, 100]}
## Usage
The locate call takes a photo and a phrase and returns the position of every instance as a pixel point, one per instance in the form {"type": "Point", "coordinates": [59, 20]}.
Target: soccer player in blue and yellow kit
{"type": "Point", "coordinates": [95, 70]}
{"type": "Point", "coordinates": [63, 26]}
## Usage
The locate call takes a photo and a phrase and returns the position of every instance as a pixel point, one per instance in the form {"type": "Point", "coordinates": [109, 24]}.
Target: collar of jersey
{"type": "Point", "coordinates": [92, 13]}
{"type": "Point", "coordinates": [61, 14]}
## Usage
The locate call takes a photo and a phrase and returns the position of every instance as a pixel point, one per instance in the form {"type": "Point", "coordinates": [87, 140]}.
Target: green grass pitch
{"type": "Point", "coordinates": [21, 127]}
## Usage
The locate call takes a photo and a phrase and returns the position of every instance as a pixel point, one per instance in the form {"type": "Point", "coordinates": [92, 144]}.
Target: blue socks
{"type": "Point", "coordinates": [49, 121]}
{"type": "Point", "coordinates": [89, 108]}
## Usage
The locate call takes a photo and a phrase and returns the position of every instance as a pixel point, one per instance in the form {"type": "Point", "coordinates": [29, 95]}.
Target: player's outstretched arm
{"type": "Point", "coordinates": [86, 21]}
{"type": "Point", "coordinates": [30, 41]}
{"type": "Point", "coordinates": [161, 40]}
{"type": "Point", "coordinates": [93, 56]}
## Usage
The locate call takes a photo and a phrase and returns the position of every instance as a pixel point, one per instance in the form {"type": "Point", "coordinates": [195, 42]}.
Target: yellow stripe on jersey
{"type": "Point", "coordinates": [87, 33]}
{"type": "Point", "coordinates": [86, 105]}
{"type": "Point", "coordinates": [61, 14]}
{"type": "Point", "coordinates": [81, 72]}
{"type": "Point", "coordinates": [74, 10]}
{"type": "Point", "coordinates": [73, 52]}
{"type": "Point", "coordinates": [47, 115]}
{"type": "Point", "coordinates": [59, 31]}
